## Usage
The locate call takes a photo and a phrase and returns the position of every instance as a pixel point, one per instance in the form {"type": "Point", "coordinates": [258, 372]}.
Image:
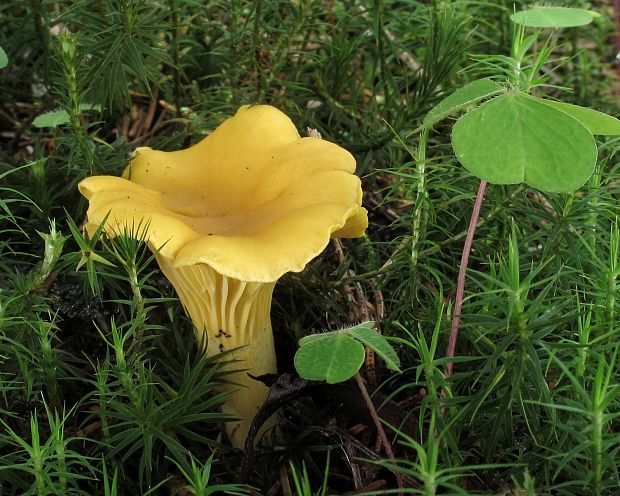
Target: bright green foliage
{"type": "Point", "coordinates": [198, 483]}
{"type": "Point", "coordinates": [515, 138]}
{"type": "Point", "coordinates": [337, 355]}
{"type": "Point", "coordinates": [119, 44]}
{"type": "Point", "coordinates": [44, 463]}
{"type": "Point", "coordinates": [334, 358]}
{"type": "Point", "coordinates": [4, 59]}
{"type": "Point", "coordinates": [57, 118]}
{"type": "Point", "coordinates": [110, 488]}
{"type": "Point", "coordinates": [553, 17]}
{"type": "Point", "coordinates": [593, 448]}
{"type": "Point", "coordinates": [426, 466]}
{"type": "Point", "coordinates": [303, 486]}
{"type": "Point", "coordinates": [469, 94]}
{"type": "Point", "coordinates": [88, 254]}
{"type": "Point", "coordinates": [54, 242]}
{"type": "Point", "coordinates": [596, 122]}
{"type": "Point", "coordinates": [54, 118]}
{"type": "Point", "coordinates": [377, 343]}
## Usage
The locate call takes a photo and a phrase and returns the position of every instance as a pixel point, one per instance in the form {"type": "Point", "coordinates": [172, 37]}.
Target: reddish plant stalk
{"type": "Point", "coordinates": [460, 286]}
{"type": "Point", "coordinates": [377, 420]}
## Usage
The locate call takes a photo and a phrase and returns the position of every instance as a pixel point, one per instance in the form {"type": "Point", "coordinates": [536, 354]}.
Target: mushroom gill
{"type": "Point", "coordinates": [230, 314]}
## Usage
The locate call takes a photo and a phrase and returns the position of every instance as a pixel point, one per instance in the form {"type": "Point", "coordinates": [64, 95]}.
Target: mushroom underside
{"type": "Point", "coordinates": [231, 315]}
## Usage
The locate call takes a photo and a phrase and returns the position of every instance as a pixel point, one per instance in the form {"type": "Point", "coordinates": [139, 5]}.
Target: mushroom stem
{"type": "Point", "coordinates": [235, 315]}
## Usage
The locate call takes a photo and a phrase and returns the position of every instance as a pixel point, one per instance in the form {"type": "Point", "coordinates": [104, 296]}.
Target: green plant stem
{"type": "Point", "coordinates": [518, 295]}
{"type": "Point", "coordinates": [102, 390]}
{"type": "Point", "coordinates": [420, 201]}
{"type": "Point", "coordinates": [611, 299]}
{"type": "Point", "coordinates": [138, 300]}
{"type": "Point", "coordinates": [584, 326]}
{"type": "Point", "coordinates": [61, 462]}
{"type": "Point", "coordinates": [594, 186]}
{"type": "Point", "coordinates": [597, 447]}
{"type": "Point", "coordinates": [37, 457]}
{"type": "Point", "coordinates": [49, 365]}
{"type": "Point", "coordinates": [612, 275]}
{"type": "Point", "coordinates": [68, 46]}
{"type": "Point", "coordinates": [460, 287]}
{"type": "Point", "coordinates": [74, 102]}
{"type": "Point", "coordinates": [377, 421]}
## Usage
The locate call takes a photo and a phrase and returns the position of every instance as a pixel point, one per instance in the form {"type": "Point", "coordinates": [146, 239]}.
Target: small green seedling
{"type": "Point", "coordinates": [336, 356]}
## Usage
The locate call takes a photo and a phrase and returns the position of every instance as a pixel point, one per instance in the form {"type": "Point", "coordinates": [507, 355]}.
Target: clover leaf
{"type": "Point", "coordinates": [516, 138]}
{"type": "Point", "coordinates": [469, 94]}
{"type": "Point", "coordinates": [337, 356]}
{"type": "Point", "coordinates": [553, 17]}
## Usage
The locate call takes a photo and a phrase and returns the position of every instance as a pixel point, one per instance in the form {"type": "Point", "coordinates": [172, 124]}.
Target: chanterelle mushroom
{"type": "Point", "coordinates": [227, 218]}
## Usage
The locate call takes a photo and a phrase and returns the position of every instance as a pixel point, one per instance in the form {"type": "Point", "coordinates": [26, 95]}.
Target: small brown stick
{"type": "Point", "coordinates": [377, 421]}
{"type": "Point", "coordinates": [379, 302]}
{"type": "Point", "coordinates": [137, 115]}
{"type": "Point", "coordinates": [150, 113]}
{"type": "Point", "coordinates": [124, 126]}
{"type": "Point", "coordinates": [460, 287]}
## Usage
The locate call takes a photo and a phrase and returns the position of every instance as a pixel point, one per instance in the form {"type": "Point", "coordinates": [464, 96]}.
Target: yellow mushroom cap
{"type": "Point", "coordinates": [252, 200]}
